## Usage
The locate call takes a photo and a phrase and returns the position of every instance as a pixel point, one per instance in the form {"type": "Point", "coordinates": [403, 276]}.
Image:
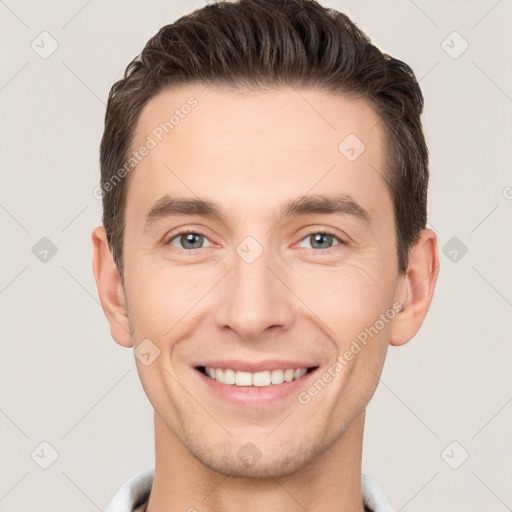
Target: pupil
{"type": "Point", "coordinates": [193, 239]}
{"type": "Point", "coordinates": [319, 237]}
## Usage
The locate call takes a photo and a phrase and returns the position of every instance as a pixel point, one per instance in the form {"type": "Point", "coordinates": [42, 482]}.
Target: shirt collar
{"type": "Point", "coordinates": [134, 494]}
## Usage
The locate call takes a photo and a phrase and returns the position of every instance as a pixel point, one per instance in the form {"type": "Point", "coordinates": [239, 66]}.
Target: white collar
{"type": "Point", "coordinates": [133, 495]}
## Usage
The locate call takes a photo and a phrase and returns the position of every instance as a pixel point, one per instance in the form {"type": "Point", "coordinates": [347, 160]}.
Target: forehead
{"type": "Point", "coordinates": [228, 143]}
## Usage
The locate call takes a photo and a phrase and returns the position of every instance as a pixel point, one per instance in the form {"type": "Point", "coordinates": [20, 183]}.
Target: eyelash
{"type": "Point", "coordinates": [313, 232]}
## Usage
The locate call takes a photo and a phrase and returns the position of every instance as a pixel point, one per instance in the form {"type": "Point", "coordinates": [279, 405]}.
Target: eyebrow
{"type": "Point", "coordinates": [341, 204]}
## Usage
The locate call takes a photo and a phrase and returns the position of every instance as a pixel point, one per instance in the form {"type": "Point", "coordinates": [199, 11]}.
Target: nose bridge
{"type": "Point", "coordinates": [253, 299]}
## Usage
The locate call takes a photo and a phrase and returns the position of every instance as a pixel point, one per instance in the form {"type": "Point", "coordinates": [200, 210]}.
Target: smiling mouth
{"type": "Point", "coordinates": [256, 379]}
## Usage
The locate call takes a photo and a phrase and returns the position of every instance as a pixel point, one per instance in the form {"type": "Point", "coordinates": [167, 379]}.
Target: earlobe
{"type": "Point", "coordinates": [110, 288]}
{"type": "Point", "coordinates": [416, 289]}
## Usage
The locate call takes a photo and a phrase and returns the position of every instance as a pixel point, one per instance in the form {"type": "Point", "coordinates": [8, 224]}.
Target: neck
{"type": "Point", "coordinates": [332, 481]}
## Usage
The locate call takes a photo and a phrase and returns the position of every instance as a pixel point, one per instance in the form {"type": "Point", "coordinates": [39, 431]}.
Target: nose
{"type": "Point", "coordinates": [254, 298]}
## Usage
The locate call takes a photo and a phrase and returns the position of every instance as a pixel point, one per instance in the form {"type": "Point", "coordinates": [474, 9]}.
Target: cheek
{"type": "Point", "coordinates": [347, 299]}
{"type": "Point", "coordinates": [163, 300]}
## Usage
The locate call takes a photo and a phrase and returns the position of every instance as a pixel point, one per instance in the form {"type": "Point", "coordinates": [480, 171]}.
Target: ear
{"type": "Point", "coordinates": [416, 289]}
{"type": "Point", "coordinates": [110, 288]}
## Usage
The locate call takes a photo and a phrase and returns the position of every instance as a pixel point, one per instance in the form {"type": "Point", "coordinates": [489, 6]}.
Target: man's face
{"type": "Point", "coordinates": [255, 289]}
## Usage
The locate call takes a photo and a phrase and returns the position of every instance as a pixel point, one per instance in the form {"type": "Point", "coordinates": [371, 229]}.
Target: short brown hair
{"type": "Point", "coordinates": [262, 44]}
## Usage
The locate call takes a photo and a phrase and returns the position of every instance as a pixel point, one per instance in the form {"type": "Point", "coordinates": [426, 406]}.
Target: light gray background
{"type": "Point", "coordinates": [65, 381]}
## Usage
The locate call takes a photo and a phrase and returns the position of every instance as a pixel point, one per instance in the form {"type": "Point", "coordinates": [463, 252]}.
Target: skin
{"type": "Point", "coordinates": [250, 152]}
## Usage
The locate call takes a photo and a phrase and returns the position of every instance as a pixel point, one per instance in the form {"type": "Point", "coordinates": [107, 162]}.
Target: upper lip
{"type": "Point", "coordinates": [253, 367]}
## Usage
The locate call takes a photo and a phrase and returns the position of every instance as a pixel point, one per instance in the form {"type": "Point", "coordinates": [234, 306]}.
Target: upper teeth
{"type": "Point", "coordinates": [227, 376]}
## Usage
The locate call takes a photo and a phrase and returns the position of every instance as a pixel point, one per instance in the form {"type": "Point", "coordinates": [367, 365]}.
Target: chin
{"type": "Point", "coordinates": [251, 462]}
{"type": "Point", "coordinates": [234, 468]}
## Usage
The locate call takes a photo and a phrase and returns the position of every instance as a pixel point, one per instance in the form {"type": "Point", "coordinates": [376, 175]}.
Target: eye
{"type": "Point", "coordinates": [188, 240]}
{"type": "Point", "coordinates": [322, 240]}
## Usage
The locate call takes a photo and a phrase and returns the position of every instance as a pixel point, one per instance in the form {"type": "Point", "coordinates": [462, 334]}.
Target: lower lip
{"type": "Point", "coordinates": [254, 395]}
